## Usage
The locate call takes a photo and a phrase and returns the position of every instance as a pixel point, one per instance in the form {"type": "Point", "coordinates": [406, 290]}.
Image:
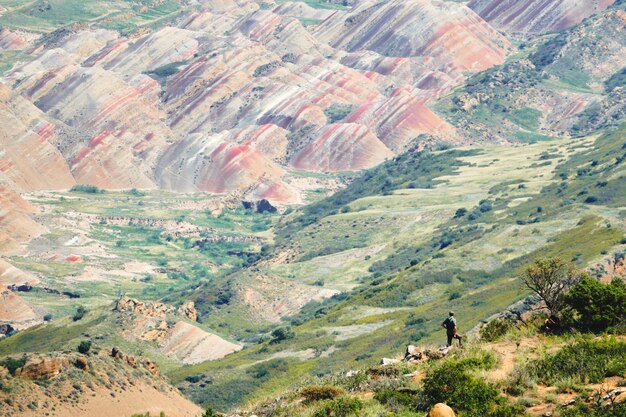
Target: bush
{"type": "Point", "coordinates": [282, 333]}
{"type": "Point", "coordinates": [495, 329]}
{"type": "Point", "coordinates": [395, 398]}
{"type": "Point", "coordinates": [194, 379]}
{"type": "Point", "coordinates": [86, 188]}
{"type": "Point", "coordinates": [84, 346]}
{"type": "Point", "coordinates": [80, 313]}
{"type": "Point", "coordinates": [317, 393]}
{"type": "Point", "coordinates": [266, 370]}
{"type": "Point", "coordinates": [337, 112]}
{"type": "Point", "coordinates": [452, 385]}
{"type": "Point", "coordinates": [586, 361]}
{"type": "Point", "coordinates": [340, 407]}
{"type": "Point", "coordinates": [47, 317]}
{"type": "Point", "coordinates": [209, 412]}
{"type": "Point", "coordinates": [598, 306]}
{"type": "Point", "coordinates": [460, 213]}
{"type": "Point", "coordinates": [13, 364]}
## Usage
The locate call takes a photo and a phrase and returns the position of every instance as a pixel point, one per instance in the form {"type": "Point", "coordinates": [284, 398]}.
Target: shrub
{"type": "Point", "coordinates": [86, 188]}
{"type": "Point", "coordinates": [460, 212]}
{"type": "Point", "coordinates": [166, 70]}
{"type": "Point", "coordinates": [337, 112]}
{"type": "Point", "coordinates": [282, 333]}
{"type": "Point", "coordinates": [598, 306]}
{"type": "Point", "coordinates": [265, 370]}
{"type": "Point", "coordinates": [80, 313]}
{"type": "Point", "coordinates": [454, 295]}
{"type": "Point", "coordinates": [317, 393]}
{"type": "Point", "coordinates": [47, 317]}
{"type": "Point", "coordinates": [593, 410]}
{"type": "Point", "coordinates": [194, 378]}
{"type": "Point", "coordinates": [84, 346]}
{"type": "Point", "coordinates": [495, 329]}
{"type": "Point", "coordinates": [13, 364]}
{"type": "Point", "coordinates": [452, 385]}
{"type": "Point", "coordinates": [209, 412]}
{"type": "Point", "coordinates": [399, 397]}
{"type": "Point", "coordinates": [340, 407]}
{"type": "Point", "coordinates": [586, 361]}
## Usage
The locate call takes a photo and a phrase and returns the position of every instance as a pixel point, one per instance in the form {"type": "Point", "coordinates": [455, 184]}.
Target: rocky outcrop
{"type": "Point", "coordinates": [413, 354]}
{"type": "Point", "coordinates": [160, 323]}
{"type": "Point", "coordinates": [155, 309]}
{"type": "Point", "coordinates": [188, 310]}
{"type": "Point", "coordinates": [46, 368]}
{"type": "Point", "coordinates": [148, 309]}
{"type": "Point", "coordinates": [135, 361]}
{"type": "Point", "coordinates": [190, 344]}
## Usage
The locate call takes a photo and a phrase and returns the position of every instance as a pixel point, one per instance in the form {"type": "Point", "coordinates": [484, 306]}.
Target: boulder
{"type": "Point", "coordinates": [151, 367]}
{"type": "Point", "coordinates": [441, 410]}
{"type": "Point", "coordinates": [189, 310]}
{"type": "Point", "coordinates": [82, 363]}
{"type": "Point", "coordinates": [412, 354]}
{"type": "Point", "coordinates": [389, 361]}
{"type": "Point", "coordinates": [117, 354]}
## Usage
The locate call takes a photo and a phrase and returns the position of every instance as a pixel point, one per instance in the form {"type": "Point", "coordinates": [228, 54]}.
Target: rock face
{"type": "Point", "coordinates": [536, 16]}
{"type": "Point", "coordinates": [37, 368]}
{"type": "Point", "coordinates": [441, 410]}
{"type": "Point", "coordinates": [177, 339]}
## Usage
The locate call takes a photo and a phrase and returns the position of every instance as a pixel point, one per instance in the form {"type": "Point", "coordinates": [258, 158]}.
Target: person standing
{"type": "Point", "coordinates": [450, 325]}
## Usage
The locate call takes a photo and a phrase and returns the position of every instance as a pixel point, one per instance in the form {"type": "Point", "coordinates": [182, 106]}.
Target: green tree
{"type": "Point", "coordinates": [282, 333]}
{"type": "Point", "coordinates": [550, 278]}
{"type": "Point", "coordinates": [598, 306]}
{"type": "Point", "coordinates": [80, 313]}
{"type": "Point", "coordinates": [84, 346]}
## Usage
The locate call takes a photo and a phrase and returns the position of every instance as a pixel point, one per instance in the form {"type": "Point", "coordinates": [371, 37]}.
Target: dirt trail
{"type": "Point", "coordinates": [506, 352]}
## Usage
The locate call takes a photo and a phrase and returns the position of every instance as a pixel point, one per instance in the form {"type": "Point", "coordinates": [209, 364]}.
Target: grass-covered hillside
{"type": "Point", "coordinates": [402, 256]}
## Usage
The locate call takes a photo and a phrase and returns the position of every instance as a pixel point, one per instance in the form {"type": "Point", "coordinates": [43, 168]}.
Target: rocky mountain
{"type": "Point", "coordinates": [194, 106]}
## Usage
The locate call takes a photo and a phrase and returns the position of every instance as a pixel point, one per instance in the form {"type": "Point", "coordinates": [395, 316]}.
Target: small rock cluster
{"type": "Point", "coordinates": [135, 362]}
{"type": "Point", "coordinates": [149, 309]}
{"type": "Point", "coordinates": [413, 354]}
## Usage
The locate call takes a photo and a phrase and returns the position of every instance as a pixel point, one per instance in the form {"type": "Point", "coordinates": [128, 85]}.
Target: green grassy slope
{"type": "Point", "coordinates": [417, 256]}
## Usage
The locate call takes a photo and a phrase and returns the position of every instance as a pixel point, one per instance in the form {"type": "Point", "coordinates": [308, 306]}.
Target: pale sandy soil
{"type": "Point", "coordinates": [141, 398]}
